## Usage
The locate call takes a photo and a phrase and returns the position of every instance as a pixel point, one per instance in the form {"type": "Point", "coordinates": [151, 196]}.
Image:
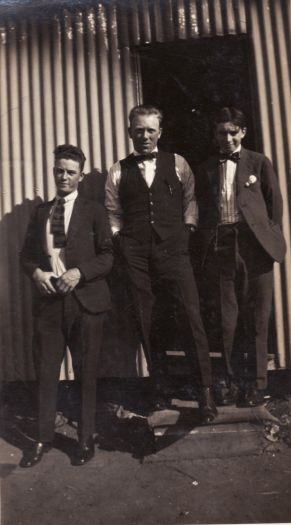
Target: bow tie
{"type": "Point", "coordinates": [232, 156]}
{"type": "Point", "coordinates": [146, 156]}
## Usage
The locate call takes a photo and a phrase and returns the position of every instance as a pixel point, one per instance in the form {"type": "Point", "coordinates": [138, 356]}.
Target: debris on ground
{"type": "Point", "coordinates": [271, 432]}
{"type": "Point", "coordinates": [281, 409]}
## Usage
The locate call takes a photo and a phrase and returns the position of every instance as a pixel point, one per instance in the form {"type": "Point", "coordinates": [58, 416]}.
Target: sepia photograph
{"type": "Point", "coordinates": [145, 269]}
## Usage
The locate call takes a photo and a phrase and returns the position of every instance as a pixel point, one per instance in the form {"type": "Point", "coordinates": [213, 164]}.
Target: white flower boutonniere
{"type": "Point", "coordinates": [252, 180]}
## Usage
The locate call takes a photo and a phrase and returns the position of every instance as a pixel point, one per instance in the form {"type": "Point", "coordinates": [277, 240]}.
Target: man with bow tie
{"type": "Point", "coordinates": [67, 253]}
{"type": "Point", "coordinates": [240, 212]}
{"type": "Point", "coordinates": [152, 211]}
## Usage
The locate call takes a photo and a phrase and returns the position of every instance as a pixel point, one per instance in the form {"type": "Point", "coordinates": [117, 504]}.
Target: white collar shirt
{"type": "Point", "coordinates": [229, 211]}
{"type": "Point", "coordinates": [147, 168]}
{"type": "Point", "coordinates": [57, 255]}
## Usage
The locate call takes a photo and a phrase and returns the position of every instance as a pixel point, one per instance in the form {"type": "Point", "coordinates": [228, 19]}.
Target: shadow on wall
{"type": "Point", "coordinates": [120, 339]}
{"type": "Point", "coordinates": [15, 303]}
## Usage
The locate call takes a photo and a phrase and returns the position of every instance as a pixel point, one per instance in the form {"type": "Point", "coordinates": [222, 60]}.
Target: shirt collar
{"type": "Point", "coordinates": [71, 197]}
{"type": "Point", "coordinates": [136, 153]}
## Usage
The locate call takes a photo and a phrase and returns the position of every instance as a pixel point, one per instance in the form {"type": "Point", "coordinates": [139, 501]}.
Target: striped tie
{"type": "Point", "coordinates": [58, 224]}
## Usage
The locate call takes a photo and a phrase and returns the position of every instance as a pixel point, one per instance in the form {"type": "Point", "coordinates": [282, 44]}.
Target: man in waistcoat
{"type": "Point", "coordinates": [240, 213]}
{"type": "Point", "coordinates": [152, 211]}
{"type": "Point", "coordinates": [67, 253]}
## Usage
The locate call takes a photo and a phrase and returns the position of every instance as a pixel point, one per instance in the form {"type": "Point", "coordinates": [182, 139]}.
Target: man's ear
{"type": "Point", "coordinates": [244, 130]}
{"type": "Point", "coordinates": [160, 133]}
{"type": "Point", "coordinates": [129, 132]}
{"type": "Point", "coordinates": [82, 175]}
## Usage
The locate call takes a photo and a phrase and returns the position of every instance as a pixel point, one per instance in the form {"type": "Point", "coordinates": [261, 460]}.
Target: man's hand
{"type": "Point", "coordinates": [68, 281]}
{"type": "Point", "coordinates": [43, 282]}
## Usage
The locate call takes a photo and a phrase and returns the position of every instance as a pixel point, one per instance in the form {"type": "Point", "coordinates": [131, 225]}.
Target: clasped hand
{"type": "Point", "coordinates": [62, 285]}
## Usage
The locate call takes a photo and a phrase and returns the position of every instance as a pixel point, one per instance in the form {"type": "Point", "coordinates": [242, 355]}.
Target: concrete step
{"type": "Point", "coordinates": [245, 439]}
{"type": "Point", "coordinates": [186, 413]}
{"type": "Point", "coordinates": [235, 432]}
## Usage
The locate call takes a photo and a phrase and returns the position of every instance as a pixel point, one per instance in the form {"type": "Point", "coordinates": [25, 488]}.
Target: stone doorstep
{"type": "Point", "coordinates": [209, 442]}
{"type": "Point", "coordinates": [235, 432]}
{"type": "Point", "coordinates": [206, 430]}
{"type": "Point", "coordinates": [186, 413]}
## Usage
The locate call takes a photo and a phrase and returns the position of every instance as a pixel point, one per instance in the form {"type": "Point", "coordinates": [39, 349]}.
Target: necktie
{"type": "Point", "coordinates": [146, 156]}
{"type": "Point", "coordinates": [58, 224]}
{"type": "Point", "coordinates": [233, 156]}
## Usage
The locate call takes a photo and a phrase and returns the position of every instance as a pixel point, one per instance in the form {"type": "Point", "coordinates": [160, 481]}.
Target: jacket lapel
{"type": "Point", "coordinates": [76, 218]}
{"type": "Point", "coordinates": [244, 170]}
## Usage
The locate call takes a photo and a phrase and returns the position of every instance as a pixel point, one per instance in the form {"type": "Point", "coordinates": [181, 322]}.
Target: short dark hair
{"type": "Point", "coordinates": [231, 114]}
{"type": "Point", "coordinates": [67, 151]}
{"type": "Point", "coordinates": [145, 109]}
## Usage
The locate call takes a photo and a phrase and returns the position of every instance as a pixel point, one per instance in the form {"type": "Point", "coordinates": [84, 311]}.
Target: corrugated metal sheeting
{"type": "Point", "coordinates": [270, 33]}
{"type": "Point", "coordinates": [71, 76]}
{"type": "Point", "coordinates": [63, 79]}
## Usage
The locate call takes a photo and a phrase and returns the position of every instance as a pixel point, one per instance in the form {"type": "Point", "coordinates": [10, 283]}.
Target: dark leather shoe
{"type": "Point", "coordinates": [207, 408]}
{"type": "Point", "coordinates": [226, 395]}
{"type": "Point", "coordinates": [251, 398]}
{"type": "Point", "coordinates": [85, 452]}
{"type": "Point", "coordinates": [34, 455]}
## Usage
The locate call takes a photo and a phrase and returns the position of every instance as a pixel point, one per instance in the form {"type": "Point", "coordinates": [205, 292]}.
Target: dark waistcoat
{"type": "Point", "coordinates": [157, 208]}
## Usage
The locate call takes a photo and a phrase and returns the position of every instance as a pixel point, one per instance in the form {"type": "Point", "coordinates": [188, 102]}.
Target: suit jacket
{"type": "Point", "coordinates": [88, 248]}
{"type": "Point", "coordinates": [260, 203]}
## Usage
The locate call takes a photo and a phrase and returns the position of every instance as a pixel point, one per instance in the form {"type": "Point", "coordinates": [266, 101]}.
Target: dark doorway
{"type": "Point", "coordinates": [189, 80]}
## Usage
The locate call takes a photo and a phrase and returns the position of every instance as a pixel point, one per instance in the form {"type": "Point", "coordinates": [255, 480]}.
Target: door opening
{"type": "Point", "coordinates": [189, 80]}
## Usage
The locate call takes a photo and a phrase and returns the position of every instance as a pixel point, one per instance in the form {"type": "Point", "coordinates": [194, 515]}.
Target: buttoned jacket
{"type": "Point", "coordinates": [88, 247]}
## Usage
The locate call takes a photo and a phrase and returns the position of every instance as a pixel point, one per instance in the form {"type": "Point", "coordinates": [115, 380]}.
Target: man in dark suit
{"type": "Point", "coordinates": [152, 211]}
{"type": "Point", "coordinates": [240, 212]}
{"type": "Point", "coordinates": [67, 254]}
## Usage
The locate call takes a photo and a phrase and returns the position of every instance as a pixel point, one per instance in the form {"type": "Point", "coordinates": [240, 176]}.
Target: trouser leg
{"type": "Point", "coordinates": [51, 345]}
{"type": "Point", "coordinates": [257, 308]}
{"type": "Point", "coordinates": [260, 295]}
{"type": "Point", "coordinates": [173, 270]}
{"type": "Point", "coordinates": [85, 335]}
{"type": "Point", "coordinates": [91, 337]}
{"type": "Point", "coordinates": [189, 301]}
{"type": "Point", "coordinates": [136, 258]}
{"type": "Point", "coordinates": [229, 318]}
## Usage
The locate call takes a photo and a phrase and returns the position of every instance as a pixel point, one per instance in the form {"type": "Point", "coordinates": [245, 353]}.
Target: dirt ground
{"type": "Point", "coordinates": [235, 472]}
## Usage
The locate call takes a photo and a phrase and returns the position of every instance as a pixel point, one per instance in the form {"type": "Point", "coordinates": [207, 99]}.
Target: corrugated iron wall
{"type": "Point", "coordinates": [71, 76]}
{"type": "Point", "coordinates": [270, 32]}
{"type": "Point", "coordinates": [63, 79]}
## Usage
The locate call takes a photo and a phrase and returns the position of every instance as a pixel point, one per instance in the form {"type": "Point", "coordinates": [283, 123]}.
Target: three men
{"type": "Point", "coordinates": [67, 254]}
{"type": "Point", "coordinates": [152, 210]}
{"type": "Point", "coordinates": [240, 212]}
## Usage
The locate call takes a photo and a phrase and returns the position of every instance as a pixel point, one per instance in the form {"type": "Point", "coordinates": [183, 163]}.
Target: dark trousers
{"type": "Point", "coordinates": [62, 322]}
{"type": "Point", "coordinates": [155, 264]}
{"type": "Point", "coordinates": [243, 272]}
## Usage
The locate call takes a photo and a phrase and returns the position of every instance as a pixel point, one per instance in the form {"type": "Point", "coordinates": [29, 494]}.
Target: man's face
{"type": "Point", "coordinates": [145, 132]}
{"type": "Point", "coordinates": [228, 136]}
{"type": "Point", "coordinates": [67, 173]}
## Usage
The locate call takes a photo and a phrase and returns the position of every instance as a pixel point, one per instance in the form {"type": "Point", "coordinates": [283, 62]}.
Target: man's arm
{"type": "Point", "coordinates": [112, 201]}
{"type": "Point", "coordinates": [29, 258]}
{"type": "Point", "coordinates": [185, 174]}
{"type": "Point", "coordinates": [271, 192]}
{"type": "Point", "coordinates": [99, 266]}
